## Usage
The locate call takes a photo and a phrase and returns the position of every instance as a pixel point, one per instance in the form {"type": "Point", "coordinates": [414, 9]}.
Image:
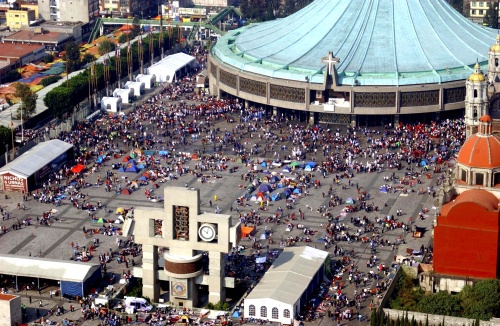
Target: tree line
{"type": "Point", "coordinates": [478, 301]}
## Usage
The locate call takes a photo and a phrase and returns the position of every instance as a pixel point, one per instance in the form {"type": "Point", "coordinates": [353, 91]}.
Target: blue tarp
{"type": "Point", "coordinates": [265, 188]}
{"type": "Point", "coordinates": [311, 164]}
{"type": "Point", "coordinates": [132, 168]}
{"type": "Point", "coordinates": [274, 179]}
{"type": "Point", "coordinates": [163, 152]}
{"type": "Point", "coordinates": [263, 164]}
{"type": "Point", "coordinates": [236, 314]}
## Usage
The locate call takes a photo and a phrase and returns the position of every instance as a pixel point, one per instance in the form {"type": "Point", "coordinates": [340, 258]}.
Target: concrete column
{"type": "Point", "coordinates": [246, 104]}
{"type": "Point", "coordinates": [353, 120]}
{"type": "Point", "coordinates": [150, 284]}
{"type": "Point", "coordinates": [216, 290]}
{"type": "Point", "coordinates": [275, 111]}
{"type": "Point", "coordinates": [311, 118]}
{"type": "Point", "coordinates": [396, 120]}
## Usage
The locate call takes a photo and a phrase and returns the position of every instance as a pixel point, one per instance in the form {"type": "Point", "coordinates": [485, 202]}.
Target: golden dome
{"type": "Point", "coordinates": [478, 75]}
{"type": "Point", "coordinates": [496, 47]}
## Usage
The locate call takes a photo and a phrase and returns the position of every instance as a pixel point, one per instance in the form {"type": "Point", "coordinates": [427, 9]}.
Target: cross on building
{"type": "Point", "coordinates": [330, 61]}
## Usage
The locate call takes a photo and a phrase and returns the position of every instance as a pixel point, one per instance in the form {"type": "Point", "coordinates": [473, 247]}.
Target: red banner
{"type": "Point", "coordinates": [13, 183]}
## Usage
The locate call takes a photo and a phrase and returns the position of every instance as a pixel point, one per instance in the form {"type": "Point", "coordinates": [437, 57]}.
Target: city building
{"type": "Point", "coordinates": [13, 56]}
{"type": "Point", "coordinates": [52, 41]}
{"type": "Point", "coordinates": [354, 62]}
{"type": "Point", "coordinates": [20, 18]}
{"type": "Point", "coordinates": [124, 8]}
{"type": "Point", "coordinates": [287, 286]}
{"type": "Point", "coordinates": [476, 10]}
{"type": "Point", "coordinates": [85, 11]}
{"type": "Point", "coordinates": [206, 3]}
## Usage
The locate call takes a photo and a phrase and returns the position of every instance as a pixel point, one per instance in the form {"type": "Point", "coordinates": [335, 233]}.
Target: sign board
{"type": "Point", "coordinates": [13, 183]}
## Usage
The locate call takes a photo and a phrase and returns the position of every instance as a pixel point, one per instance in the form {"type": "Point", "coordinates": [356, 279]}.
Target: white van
{"type": "Point", "coordinates": [133, 304]}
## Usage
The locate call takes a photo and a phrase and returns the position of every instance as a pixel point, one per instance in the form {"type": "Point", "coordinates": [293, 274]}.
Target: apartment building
{"type": "Point", "coordinates": [124, 8]}
{"type": "Point", "coordinates": [85, 11]}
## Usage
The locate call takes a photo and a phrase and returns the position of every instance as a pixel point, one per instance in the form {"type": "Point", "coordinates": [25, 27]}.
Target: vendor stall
{"type": "Point", "coordinates": [138, 87]}
{"type": "Point", "coordinates": [125, 94]}
{"type": "Point", "coordinates": [148, 80]}
{"type": "Point", "coordinates": [111, 104]}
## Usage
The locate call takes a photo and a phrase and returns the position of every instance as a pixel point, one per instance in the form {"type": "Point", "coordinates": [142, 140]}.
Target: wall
{"type": "Point", "coordinates": [17, 19]}
{"type": "Point", "coordinates": [436, 319]}
{"type": "Point", "coordinates": [75, 10]}
{"type": "Point", "coordinates": [10, 311]}
{"type": "Point", "coordinates": [466, 242]}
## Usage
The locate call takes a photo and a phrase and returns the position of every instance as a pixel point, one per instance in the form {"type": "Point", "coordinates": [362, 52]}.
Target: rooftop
{"type": "Point", "coordinates": [17, 50]}
{"type": "Point", "coordinates": [45, 37]}
{"type": "Point", "coordinates": [379, 42]}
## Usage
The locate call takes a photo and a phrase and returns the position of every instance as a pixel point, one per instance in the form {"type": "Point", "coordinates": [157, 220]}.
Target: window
{"type": "Point", "coordinates": [474, 12]}
{"type": "Point", "coordinates": [496, 62]}
{"type": "Point", "coordinates": [251, 310]}
{"type": "Point", "coordinates": [475, 93]}
{"type": "Point", "coordinates": [263, 311]}
{"type": "Point", "coordinates": [497, 179]}
{"type": "Point", "coordinates": [463, 177]}
{"type": "Point", "coordinates": [481, 12]}
{"type": "Point", "coordinates": [274, 314]}
{"type": "Point", "coordinates": [479, 179]}
{"type": "Point", "coordinates": [286, 313]}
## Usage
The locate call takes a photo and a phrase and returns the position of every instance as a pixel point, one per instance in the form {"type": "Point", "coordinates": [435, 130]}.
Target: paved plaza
{"type": "Point", "coordinates": [54, 241]}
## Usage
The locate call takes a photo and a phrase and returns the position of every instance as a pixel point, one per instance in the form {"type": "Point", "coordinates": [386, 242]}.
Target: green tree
{"type": "Point", "coordinates": [12, 76]}
{"type": "Point", "coordinates": [28, 98]}
{"type": "Point", "coordinates": [106, 46]}
{"type": "Point", "coordinates": [440, 303]}
{"type": "Point", "coordinates": [491, 17]}
{"type": "Point", "coordinates": [48, 58]}
{"type": "Point", "coordinates": [72, 56]}
{"type": "Point", "coordinates": [5, 137]}
{"type": "Point", "coordinates": [245, 8]}
{"type": "Point", "coordinates": [123, 38]}
{"type": "Point", "coordinates": [458, 5]}
{"type": "Point", "coordinates": [136, 27]}
{"type": "Point", "coordinates": [87, 58]}
{"type": "Point", "coordinates": [58, 101]}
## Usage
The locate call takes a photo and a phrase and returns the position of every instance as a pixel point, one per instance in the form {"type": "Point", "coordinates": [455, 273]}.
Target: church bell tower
{"type": "Point", "coordinates": [476, 100]}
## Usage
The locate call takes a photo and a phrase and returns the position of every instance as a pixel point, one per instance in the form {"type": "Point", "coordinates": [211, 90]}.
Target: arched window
{"type": "Point", "coordinates": [251, 310]}
{"type": "Point", "coordinates": [275, 314]}
{"type": "Point", "coordinates": [263, 311]}
{"type": "Point", "coordinates": [474, 114]}
{"type": "Point", "coordinates": [496, 62]}
{"type": "Point", "coordinates": [286, 313]}
{"type": "Point", "coordinates": [475, 93]}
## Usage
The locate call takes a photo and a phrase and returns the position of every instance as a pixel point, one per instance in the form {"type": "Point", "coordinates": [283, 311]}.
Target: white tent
{"type": "Point", "coordinates": [138, 87]}
{"type": "Point", "coordinates": [111, 104]}
{"type": "Point", "coordinates": [287, 285]}
{"type": "Point", "coordinates": [165, 69]}
{"type": "Point", "coordinates": [148, 80]}
{"type": "Point", "coordinates": [125, 94]}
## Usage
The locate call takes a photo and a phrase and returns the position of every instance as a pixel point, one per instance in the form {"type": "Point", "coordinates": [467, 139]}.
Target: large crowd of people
{"type": "Point", "coordinates": [178, 119]}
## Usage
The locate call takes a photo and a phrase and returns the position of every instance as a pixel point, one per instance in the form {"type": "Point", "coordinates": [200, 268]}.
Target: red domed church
{"type": "Point", "coordinates": [466, 231]}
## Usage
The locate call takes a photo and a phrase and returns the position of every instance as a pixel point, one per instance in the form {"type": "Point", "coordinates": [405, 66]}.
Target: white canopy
{"type": "Point", "coordinates": [36, 158]}
{"type": "Point", "coordinates": [125, 94]}
{"type": "Point", "coordinates": [111, 104]}
{"type": "Point", "coordinates": [148, 80]}
{"type": "Point", "coordinates": [165, 69]}
{"type": "Point", "coordinates": [284, 283]}
{"type": "Point", "coordinates": [138, 87]}
{"type": "Point", "coordinates": [52, 269]}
